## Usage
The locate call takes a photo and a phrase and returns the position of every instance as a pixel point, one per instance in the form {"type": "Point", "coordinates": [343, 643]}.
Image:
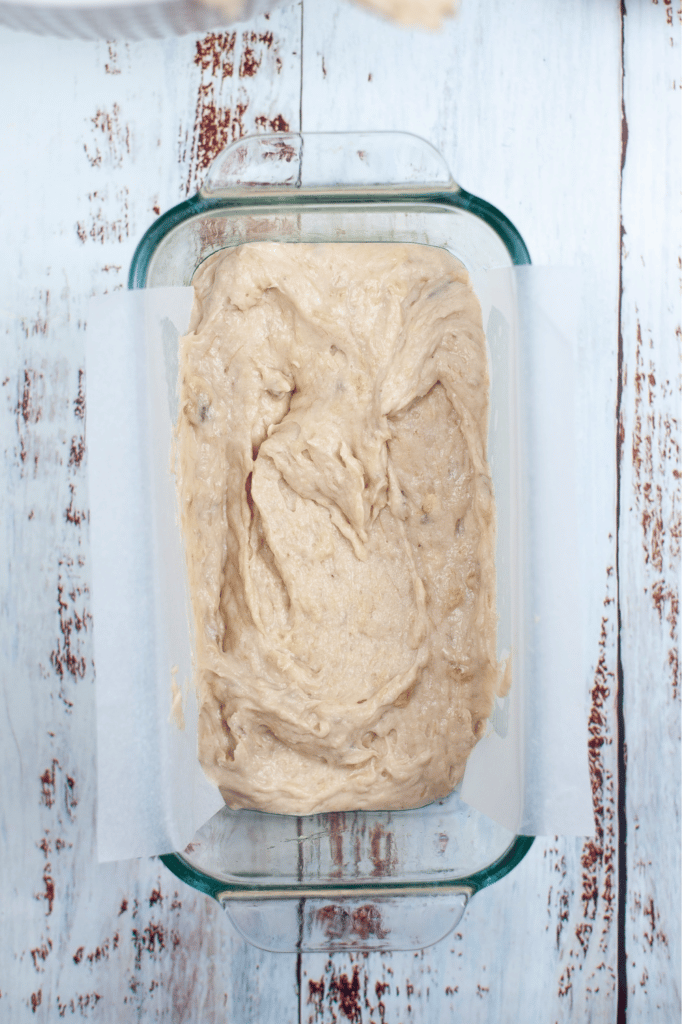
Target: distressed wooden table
{"type": "Point", "coordinates": [567, 117]}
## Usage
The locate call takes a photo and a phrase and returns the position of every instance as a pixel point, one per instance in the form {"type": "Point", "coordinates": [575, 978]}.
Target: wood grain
{"type": "Point", "coordinates": [559, 183]}
{"type": "Point", "coordinates": [650, 510]}
{"type": "Point", "coordinates": [97, 140]}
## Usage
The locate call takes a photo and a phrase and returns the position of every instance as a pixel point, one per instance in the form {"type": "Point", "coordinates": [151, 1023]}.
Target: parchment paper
{"type": "Point", "coordinates": [530, 773]}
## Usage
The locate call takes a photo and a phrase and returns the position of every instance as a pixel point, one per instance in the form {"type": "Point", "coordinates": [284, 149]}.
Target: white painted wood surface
{"type": "Point", "coordinates": [649, 506]}
{"type": "Point", "coordinates": [529, 102]}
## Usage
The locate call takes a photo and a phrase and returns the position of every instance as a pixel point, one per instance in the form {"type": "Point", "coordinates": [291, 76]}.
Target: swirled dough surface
{"type": "Point", "coordinates": [339, 523]}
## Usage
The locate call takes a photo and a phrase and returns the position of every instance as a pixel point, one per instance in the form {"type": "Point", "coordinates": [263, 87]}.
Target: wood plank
{"type": "Point", "coordinates": [499, 95]}
{"type": "Point", "coordinates": [97, 140]}
{"type": "Point", "coordinates": [650, 506]}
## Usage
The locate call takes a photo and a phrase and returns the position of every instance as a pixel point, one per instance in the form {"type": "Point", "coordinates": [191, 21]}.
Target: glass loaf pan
{"type": "Point", "coordinates": [368, 879]}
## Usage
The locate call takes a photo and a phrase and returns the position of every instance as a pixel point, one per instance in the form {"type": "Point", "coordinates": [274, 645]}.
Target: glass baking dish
{"type": "Point", "coordinates": [368, 879]}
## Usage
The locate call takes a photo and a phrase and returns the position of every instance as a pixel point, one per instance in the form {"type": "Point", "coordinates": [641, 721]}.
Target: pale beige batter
{"type": "Point", "coordinates": [339, 523]}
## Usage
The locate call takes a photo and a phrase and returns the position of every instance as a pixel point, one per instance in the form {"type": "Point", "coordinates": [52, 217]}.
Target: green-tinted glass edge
{"type": "Point", "coordinates": [517, 850]}
{"type": "Point", "coordinates": [519, 254]}
{"type": "Point", "coordinates": [198, 204]}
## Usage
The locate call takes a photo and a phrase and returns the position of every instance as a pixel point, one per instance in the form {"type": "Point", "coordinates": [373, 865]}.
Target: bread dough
{"type": "Point", "coordinates": [338, 517]}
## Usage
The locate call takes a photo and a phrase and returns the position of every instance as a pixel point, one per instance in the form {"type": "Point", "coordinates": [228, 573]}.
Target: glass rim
{"type": "Point", "coordinates": [222, 889]}
{"type": "Point", "coordinates": [198, 205]}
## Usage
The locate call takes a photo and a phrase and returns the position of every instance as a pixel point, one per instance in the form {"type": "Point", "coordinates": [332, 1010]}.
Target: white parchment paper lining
{"type": "Point", "coordinates": [530, 773]}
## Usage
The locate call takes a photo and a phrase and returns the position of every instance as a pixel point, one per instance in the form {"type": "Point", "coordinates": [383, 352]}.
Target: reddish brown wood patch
{"type": "Point", "coordinates": [111, 142]}
{"type": "Point", "coordinates": [589, 915]}
{"type": "Point", "coordinates": [656, 461]}
{"type": "Point", "coordinates": [382, 851]}
{"type": "Point", "coordinates": [39, 323]}
{"type": "Point", "coordinates": [40, 954]}
{"type": "Point", "coordinates": [80, 1004]}
{"type": "Point", "coordinates": [598, 858]}
{"type": "Point", "coordinates": [53, 780]}
{"type": "Point", "coordinates": [215, 53]}
{"type": "Point", "coordinates": [274, 124]}
{"type": "Point", "coordinates": [68, 656]}
{"type": "Point", "coordinates": [345, 992]}
{"type": "Point", "coordinates": [112, 65]}
{"type": "Point", "coordinates": [79, 400]}
{"type": "Point", "coordinates": [48, 893]}
{"type": "Point", "coordinates": [76, 451]}
{"type": "Point", "coordinates": [668, 11]}
{"type": "Point", "coordinates": [347, 995]}
{"type": "Point", "coordinates": [28, 408]}
{"type": "Point", "coordinates": [47, 781]}
{"type": "Point", "coordinates": [100, 952]}
{"type": "Point", "coordinates": [222, 109]}
{"type": "Point", "coordinates": [316, 994]}
{"type": "Point", "coordinates": [100, 226]}
{"type": "Point", "coordinates": [151, 939]}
